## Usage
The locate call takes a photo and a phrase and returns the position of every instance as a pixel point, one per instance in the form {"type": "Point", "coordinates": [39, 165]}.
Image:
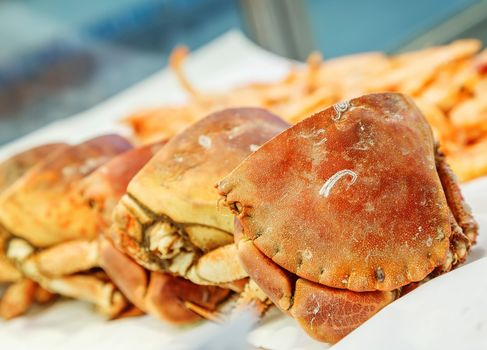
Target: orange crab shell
{"type": "Point", "coordinates": [159, 294]}
{"type": "Point", "coordinates": [42, 194]}
{"type": "Point", "coordinates": [349, 198]}
{"type": "Point", "coordinates": [104, 187]}
{"type": "Point", "coordinates": [179, 180]}
{"type": "Point", "coordinates": [14, 167]}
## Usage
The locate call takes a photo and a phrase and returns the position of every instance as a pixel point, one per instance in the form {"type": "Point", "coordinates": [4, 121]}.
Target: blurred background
{"type": "Point", "coordinates": [60, 57]}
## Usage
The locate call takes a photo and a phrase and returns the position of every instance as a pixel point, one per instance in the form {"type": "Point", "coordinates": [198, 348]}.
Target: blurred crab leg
{"type": "Point", "coordinates": [160, 294]}
{"type": "Point", "coordinates": [218, 266]}
{"type": "Point", "coordinates": [84, 287]}
{"type": "Point", "coordinates": [17, 298]}
{"type": "Point", "coordinates": [8, 272]}
{"type": "Point", "coordinates": [176, 61]}
{"type": "Point", "coordinates": [108, 300]}
{"type": "Point", "coordinates": [43, 296]}
{"type": "Point", "coordinates": [253, 298]}
{"type": "Point", "coordinates": [64, 259]}
{"type": "Point", "coordinates": [206, 314]}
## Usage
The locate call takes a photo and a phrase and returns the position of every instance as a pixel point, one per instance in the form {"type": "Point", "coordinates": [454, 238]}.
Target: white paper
{"type": "Point", "coordinates": [449, 312]}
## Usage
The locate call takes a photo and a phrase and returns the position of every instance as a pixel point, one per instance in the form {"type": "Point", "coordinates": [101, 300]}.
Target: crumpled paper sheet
{"type": "Point", "coordinates": [449, 312]}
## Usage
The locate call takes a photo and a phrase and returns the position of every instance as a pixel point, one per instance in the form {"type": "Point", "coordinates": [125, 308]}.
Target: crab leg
{"type": "Point", "coordinates": [253, 298]}
{"type": "Point", "coordinates": [17, 299]}
{"type": "Point", "coordinates": [217, 267]}
{"type": "Point", "coordinates": [108, 300]}
{"type": "Point", "coordinates": [64, 259]}
{"type": "Point", "coordinates": [170, 298]}
{"type": "Point", "coordinates": [461, 211]}
{"type": "Point", "coordinates": [204, 313]}
{"type": "Point", "coordinates": [53, 270]}
{"type": "Point", "coordinates": [8, 272]}
{"type": "Point", "coordinates": [43, 296]}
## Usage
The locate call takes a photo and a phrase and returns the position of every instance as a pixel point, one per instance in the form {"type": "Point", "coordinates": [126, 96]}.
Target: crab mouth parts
{"type": "Point", "coordinates": [168, 243]}
{"type": "Point", "coordinates": [165, 243]}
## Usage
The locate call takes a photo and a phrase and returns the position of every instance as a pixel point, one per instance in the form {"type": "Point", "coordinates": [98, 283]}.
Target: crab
{"type": "Point", "coordinates": [21, 292]}
{"type": "Point", "coordinates": [50, 226]}
{"type": "Point", "coordinates": [159, 294]}
{"type": "Point", "coordinates": [346, 211]}
{"type": "Point", "coordinates": [169, 220]}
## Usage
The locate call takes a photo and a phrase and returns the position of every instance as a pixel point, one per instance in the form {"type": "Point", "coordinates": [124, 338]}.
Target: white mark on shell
{"type": "Point", "coordinates": [339, 109]}
{"type": "Point", "coordinates": [364, 144]}
{"type": "Point", "coordinates": [440, 235]}
{"type": "Point", "coordinates": [315, 310]}
{"type": "Point", "coordinates": [253, 147]}
{"type": "Point", "coordinates": [323, 140]}
{"type": "Point", "coordinates": [84, 169]}
{"type": "Point", "coordinates": [204, 141]}
{"type": "Point", "coordinates": [314, 133]}
{"type": "Point", "coordinates": [69, 171]}
{"type": "Point", "coordinates": [429, 242]}
{"type": "Point", "coordinates": [330, 183]}
{"type": "Point", "coordinates": [235, 132]}
{"type": "Point", "coordinates": [306, 254]}
{"type": "Point", "coordinates": [369, 207]}
{"type": "Point", "coordinates": [91, 164]}
{"type": "Point", "coordinates": [178, 159]}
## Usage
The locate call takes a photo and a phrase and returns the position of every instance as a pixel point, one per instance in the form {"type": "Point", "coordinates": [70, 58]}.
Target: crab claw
{"type": "Point", "coordinates": [328, 314]}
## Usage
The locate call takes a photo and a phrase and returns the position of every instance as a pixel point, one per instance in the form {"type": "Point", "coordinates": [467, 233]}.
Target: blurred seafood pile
{"type": "Point", "coordinates": [448, 83]}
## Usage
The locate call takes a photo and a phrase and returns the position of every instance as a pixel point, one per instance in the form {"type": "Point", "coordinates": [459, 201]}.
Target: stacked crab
{"type": "Point", "coordinates": [330, 219]}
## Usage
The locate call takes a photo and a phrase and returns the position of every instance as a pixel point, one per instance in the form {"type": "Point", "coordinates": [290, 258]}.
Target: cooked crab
{"type": "Point", "coordinates": [169, 220]}
{"type": "Point", "coordinates": [21, 292]}
{"type": "Point", "coordinates": [159, 294]}
{"type": "Point", "coordinates": [47, 221]}
{"type": "Point", "coordinates": [344, 212]}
